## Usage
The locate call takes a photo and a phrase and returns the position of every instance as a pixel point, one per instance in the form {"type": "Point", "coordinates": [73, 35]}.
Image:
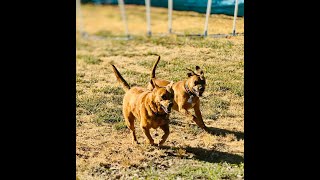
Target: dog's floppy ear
{"type": "Point", "coordinates": [153, 84]}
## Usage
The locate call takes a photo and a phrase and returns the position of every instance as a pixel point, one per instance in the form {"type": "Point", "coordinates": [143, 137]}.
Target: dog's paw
{"type": "Point", "coordinates": [150, 142]}
{"type": "Point", "coordinates": [161, 143]}
{"type": "Point", "coordinates": [156, 144]}
{"type": "Point", "coordinates": [135, 142]}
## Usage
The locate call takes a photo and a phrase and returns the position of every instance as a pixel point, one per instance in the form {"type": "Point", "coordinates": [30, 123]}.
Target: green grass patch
{"type": "Point", "coordinates": [194, 129]}
{"type": "Point", "coordinates": [140, 79]}
{"type": "Point", "coordinates": [129, 72]}
{"type": "Point", "coordinates": [220, 104]}
{"type": "Point", "coordinates": [194, 171]}
{"type": "Point", "coordinates": [89, 59]}
{"type": "Point", "coordinates": [175, 41]}
{"type": "Point", "coordinates": [149, 63]}
{"type": "Point", "coordinates": [104, 34]}
{"type": "Point", "coordinates": [120, 126]}
{"type": "Point", "coordinates": [109, 115]}
{"type": "Point", "coordinates": [92, 104]}
{"type": "Point", "coordinates": [215, 107]}
{"type": "Point", "coordinates": [210, 171]}
{"type": "Point", "coordinates": [110, 90]}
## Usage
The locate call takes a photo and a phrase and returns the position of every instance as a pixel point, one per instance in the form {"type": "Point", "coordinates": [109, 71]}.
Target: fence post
{"type": "Point", "coordinates": [170, 16]}
{"type": "Point", "coordinates": [79, 15]}
{"type": "Point", "coordinates": [207, 18]}
{"type": "Point", "coordinates": [148, 17]}
{"type": "Point", "coordinates": [123, 15]}
{"type": "Point", "coordinates": [235, 17]}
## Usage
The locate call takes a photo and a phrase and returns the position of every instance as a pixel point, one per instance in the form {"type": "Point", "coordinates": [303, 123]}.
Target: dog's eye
{"type": "Point", "coordinates": [164, 97]}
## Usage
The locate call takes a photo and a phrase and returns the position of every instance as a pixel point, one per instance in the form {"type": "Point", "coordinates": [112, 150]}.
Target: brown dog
{"type": "Point", "coordinates": [186, 93]}
{"type": "Point", "coordinates": [151, 107]}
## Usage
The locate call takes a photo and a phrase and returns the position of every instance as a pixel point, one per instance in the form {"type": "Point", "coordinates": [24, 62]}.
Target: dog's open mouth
{"type": "Point", "coordinates": [167, 110]}
{"type": "Point", "coordinates": [198, 93]}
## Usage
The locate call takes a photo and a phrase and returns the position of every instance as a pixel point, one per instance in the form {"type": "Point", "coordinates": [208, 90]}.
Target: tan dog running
{"type": "Point", "coordinates": [151, 107]}
{"type": "Point", "coordinates": [186, 93]}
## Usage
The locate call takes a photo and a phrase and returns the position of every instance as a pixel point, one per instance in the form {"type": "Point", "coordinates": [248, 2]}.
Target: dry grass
{"type": "Point", "coordinates": [107, 20]}
{"type": "Point", "coordinates": [104, 149]}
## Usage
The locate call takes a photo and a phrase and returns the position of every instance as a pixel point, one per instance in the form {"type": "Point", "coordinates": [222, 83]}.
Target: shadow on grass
{"type": "Point", "coordinates": [207, 155]}
{"type": "Point", "coordinates": [212, 130]}
{"type": "Point", "coordinates": [213, 156]}
{"type": "Point", "coordinates": [224, 132]}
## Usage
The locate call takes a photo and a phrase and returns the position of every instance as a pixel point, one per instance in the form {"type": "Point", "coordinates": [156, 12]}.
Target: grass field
{"type": "Point", "coordinates": [103, 144]}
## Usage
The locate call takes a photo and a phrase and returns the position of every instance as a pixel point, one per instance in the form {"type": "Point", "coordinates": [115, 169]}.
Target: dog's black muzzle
{"type": "Point", "coordinates": [199, 92]}
{"type": "Point", "coordinates": [168, 108]}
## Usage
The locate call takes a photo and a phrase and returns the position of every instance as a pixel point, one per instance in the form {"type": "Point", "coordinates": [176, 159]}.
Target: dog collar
{"type": "Point", "coordinates": [188, 90]}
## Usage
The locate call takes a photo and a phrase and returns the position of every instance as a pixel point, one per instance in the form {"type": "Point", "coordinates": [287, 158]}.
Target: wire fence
{"type": "Point", "coordinates": [210, 5]}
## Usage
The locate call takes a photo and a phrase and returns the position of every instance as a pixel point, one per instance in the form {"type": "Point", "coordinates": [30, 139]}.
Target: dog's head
{"type": "Point", "coordinates": [162, 97]}
{"type": "Point", "coordinates": [196, 81]}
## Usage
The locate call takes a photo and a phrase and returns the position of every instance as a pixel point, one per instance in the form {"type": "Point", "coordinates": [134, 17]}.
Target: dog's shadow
{"type": "Point", "coordinates": [223, 132]}
{"type": "Point", "coordinates": [207, 155]}
{"type": "Point", "coordinates": [214, 131]}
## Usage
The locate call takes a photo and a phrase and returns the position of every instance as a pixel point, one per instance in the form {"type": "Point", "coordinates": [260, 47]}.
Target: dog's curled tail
{"type": "Point", "coordinates": [153, 72]}
{"type": "Point", "coordinates": [120, 79]}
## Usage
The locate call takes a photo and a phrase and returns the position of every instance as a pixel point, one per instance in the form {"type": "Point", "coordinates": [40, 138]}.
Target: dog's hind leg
{"type": "Point", "coordinates": [129, 119]}
{"type": "Point", "coordinates": [166, 131]}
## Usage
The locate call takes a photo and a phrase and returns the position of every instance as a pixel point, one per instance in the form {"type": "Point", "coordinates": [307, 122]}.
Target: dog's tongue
{"type": "Point", "coordinates": [197, 93]}
{"type": "Point", "coordinates": [165, 110]}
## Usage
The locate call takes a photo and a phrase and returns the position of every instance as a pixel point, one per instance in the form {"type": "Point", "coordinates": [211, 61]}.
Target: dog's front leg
{"type": "Point", "coordinates": [198, 120]}
{"type": "Point", "coordinates": [186, 113]}
{"type": "Point", "coordinates": [193, 117]}
{"type": "Point", "coordinates": [166, 131]}
{"type": "Point", "coordinates": [148, 136]}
